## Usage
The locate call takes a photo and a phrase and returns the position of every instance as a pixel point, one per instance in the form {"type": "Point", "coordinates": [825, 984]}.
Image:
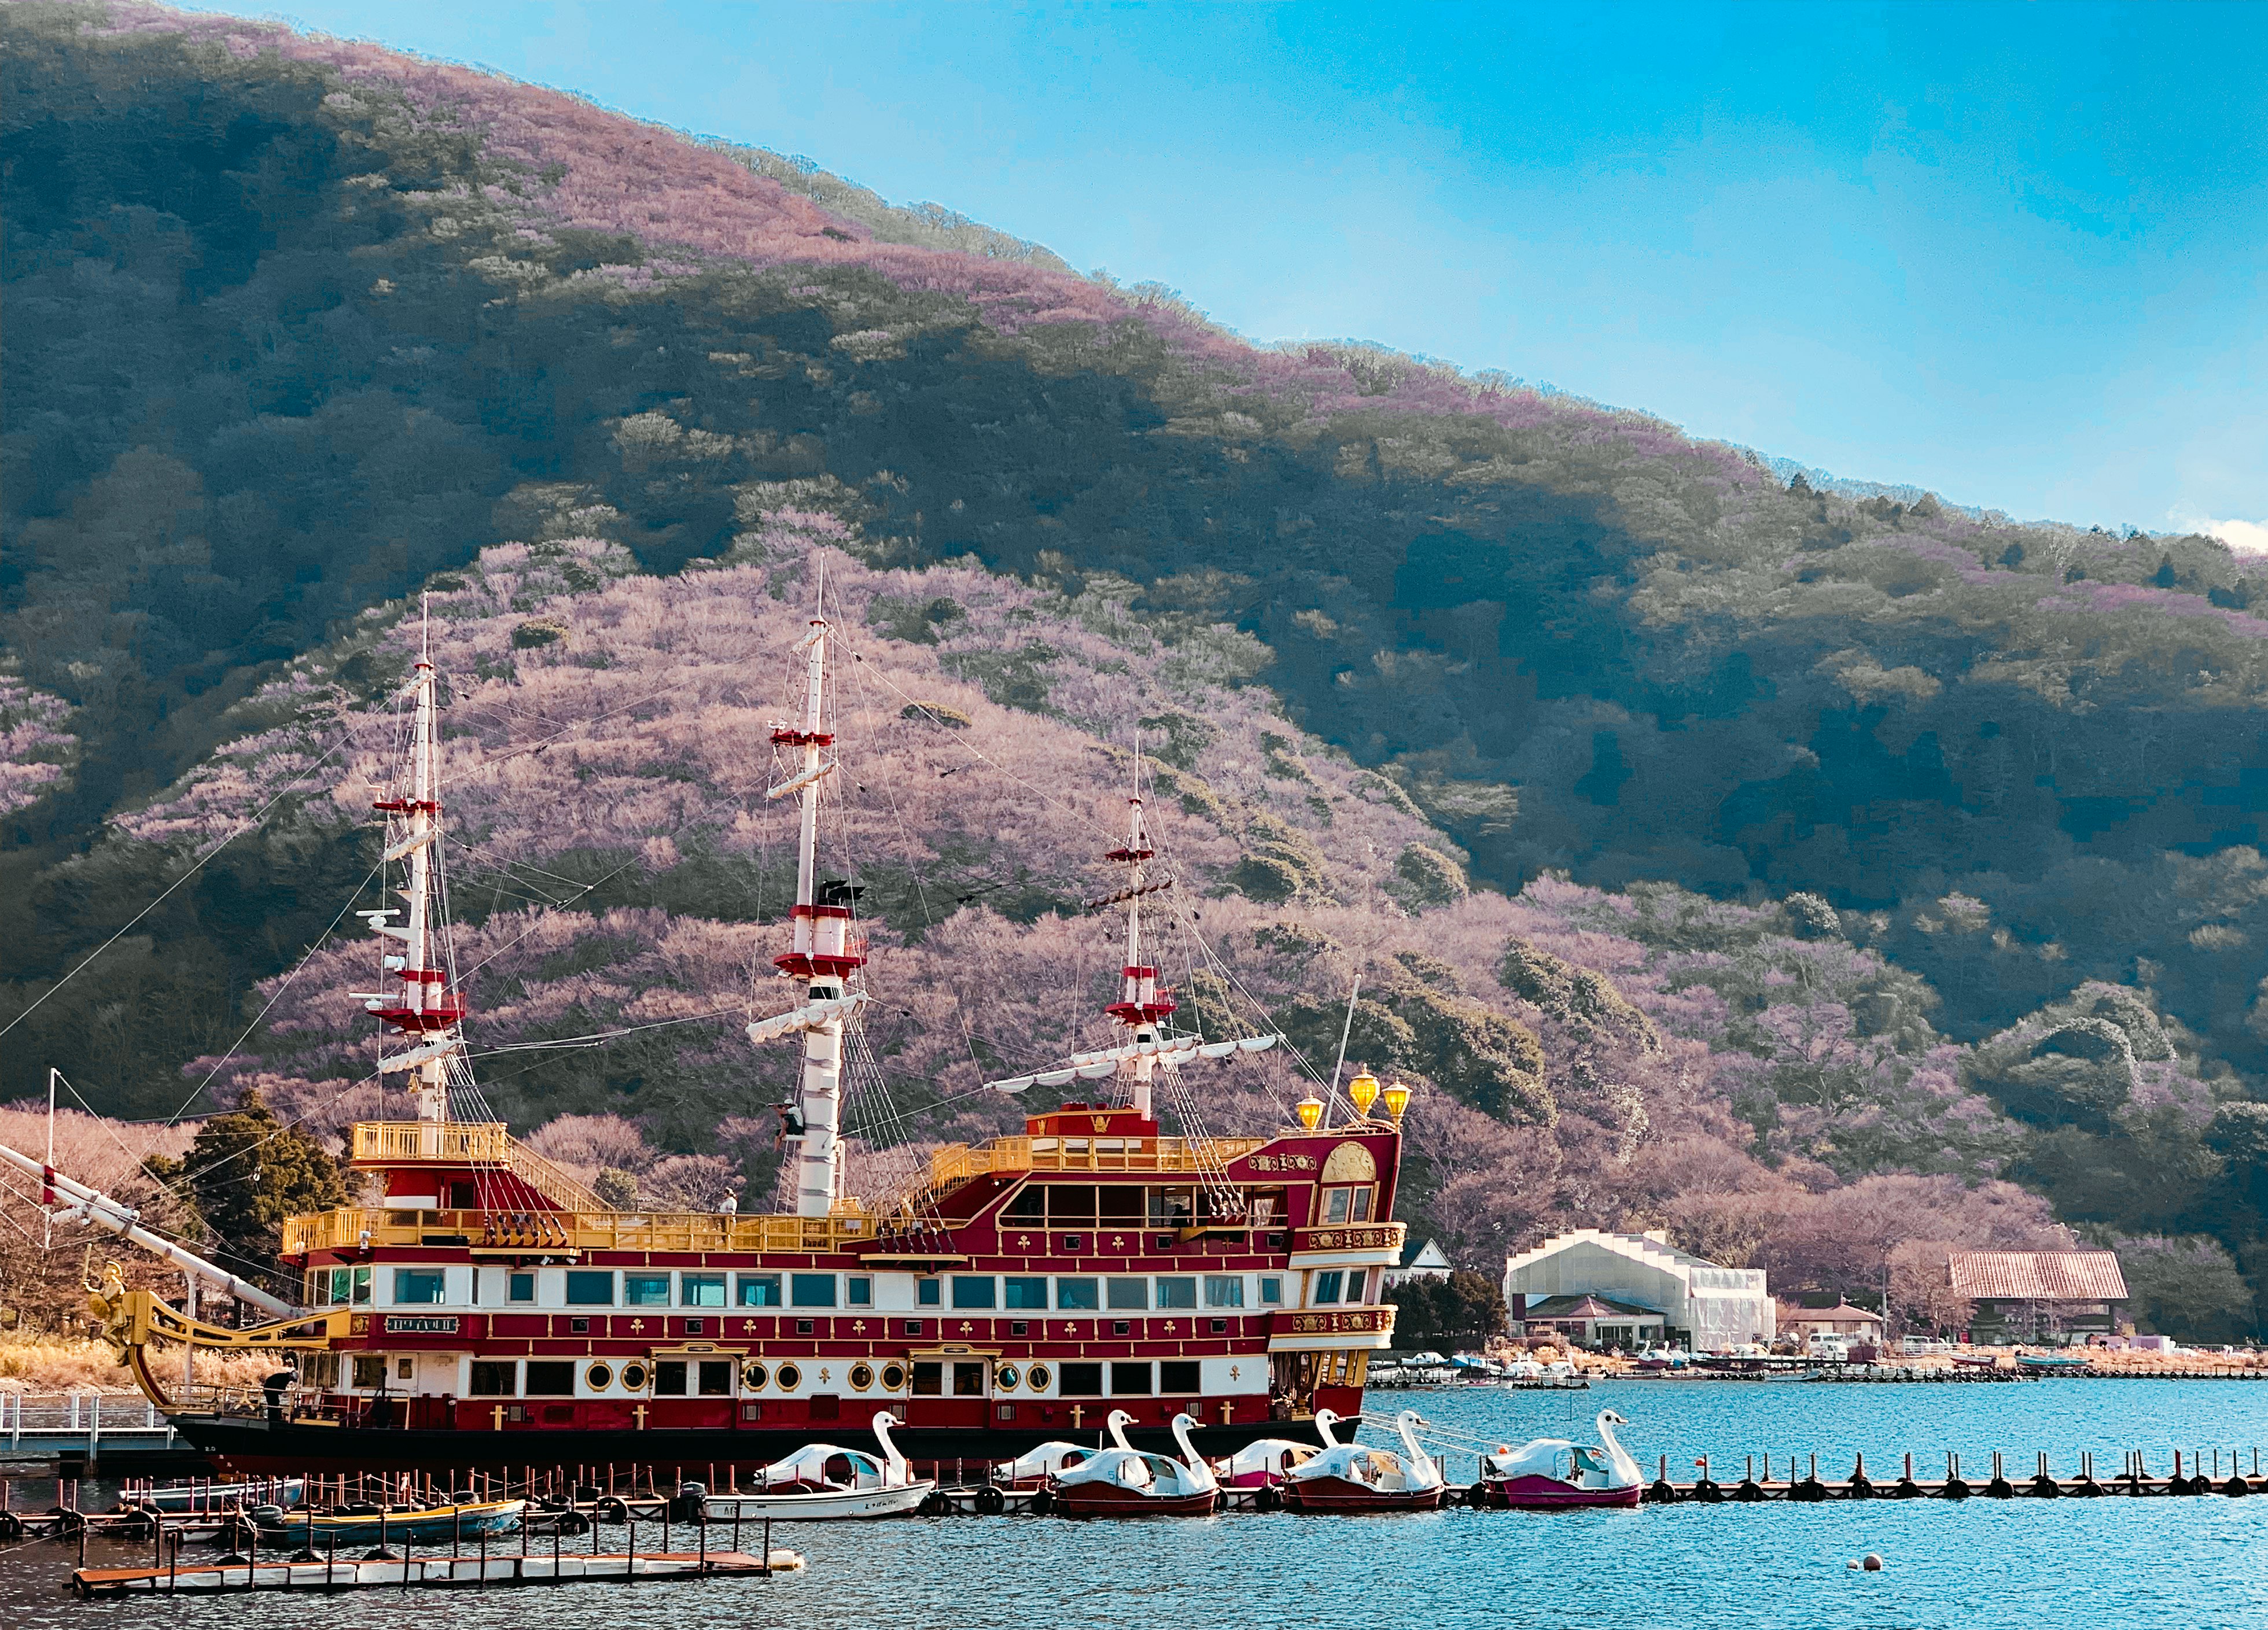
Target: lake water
{"type": "Point", "coordinates": [2195, 1562]}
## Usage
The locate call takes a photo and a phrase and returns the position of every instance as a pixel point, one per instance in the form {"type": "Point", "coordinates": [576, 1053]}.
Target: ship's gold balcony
{"type": "Point", "coordinates": [469, 1143]}
{"type": "Point", "coordinates": [349, 1227]}
{"type": "Point", "coordinates": [1324, 1329]}
{"type": "Point", "coordinates": [1007, 1155]}
{"type": "Point", "coordinates": [1357, 1244]}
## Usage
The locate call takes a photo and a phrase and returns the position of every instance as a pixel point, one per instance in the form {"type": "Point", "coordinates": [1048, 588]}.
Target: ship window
{"type": "Point", "coordinates": [669, 1378]}
{"type": "Point", "coordinates": [716, 1378]}
{"type": "Point", "coordinates": [974, 1291]}
{"type": "Point", "coordinates": [1334, 1205]}
{"type": "Point", "coordinates": [927, 1292]}
{"type": "Point", "coordinates": [1266, 1206]}
{"type": "Point", "coordinates": [404, 1368]}
{"type": "Point", "coordinates": [1029, 1204]}
{"type": "Point", "coordinates": [1037, 1374]}
{"type": "Point", "coordinates": [634, 1378]}
{"type": "Point", "coordinates": [968, 1380]}
{"type": "Point", "coordinates": [1007, 1378]}
{"type": "Point", "coordinates": [1177, 1292]}
{"type": "Point", "coordinates": [701, 1289]}
{"type": "Point", "coordinates": [790, 1378]}
{"type": "Point", "coordinates": [1121, 1204]}
{"type": "Point", "coordinates": [1128, 1379]}
{"type": "Point", "coordinates": [1180, 1375]}
{"type": "Point", "coordinates": [1224, 1290]}
{"type": "Point", "coordinates": [598, 1377]}
{"type": "Point", "coordinates": [1130, 1292]}
{"type": "Point", "coordinates": [589, 1288]}
{"type": "Point", "coordinates": [1071, 1205]}
{"type": "Point", "coordinates": [1076, 1295]}
{"type": "Point", "coordinates": [757, 1289]}
{"type": "Point", "coordinates": [370, 1369]}
{"type": "Point", "coordinates": [1271, 1290]}
{"type": "Point", "coordinates": [416, 1285]}
{"type": "Point", "coordinates": [1029, 1293]}
{"type": "Point", "coordinates": [521, 1288]}
{"type": "Point", "coordinates": [1355, 1281]}
{"type": "Point", "coordinates": [812, 1289]}
{"type": "Point", "coordinates": [1327, 1289]}
{"type": "Point", "coordinates": [862, 1376]}
{"type": "Point", "coordinates": [1359, 1211]}
{"type": "Point", "coordinates": [343, 1280]}
{"type": "Point", "coordinates": [492, 1379]}
{"type": "Point", "coordinates": [894, 1377]}
{"type": "Point", "coordinates": [929, 1380]}
{"type": "Point", "coordinates": [859, 1290]}
{"type": "Point", "coordinates": [1081, 1381]}
{"type": "Point", "coordinates": [645, 1290]}
{"type": "Point", "coordinates": [1172, 1208]}
{"type": "Point", "coordinates": [553, 1377]}
{"type": "Point", "coordinates": [462, 1197]}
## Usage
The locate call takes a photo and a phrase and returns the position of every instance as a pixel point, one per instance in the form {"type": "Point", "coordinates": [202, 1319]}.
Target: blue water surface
{"type": "Point", "coordinates": [2194, 1562]}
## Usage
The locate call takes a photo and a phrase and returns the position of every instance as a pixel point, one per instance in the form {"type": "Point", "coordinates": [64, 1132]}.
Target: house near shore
{"type": "Point", "coordinates": [2039, 1295]}
{"type": "Point", "coordinates": [1421, 1259]}
{"type": "Point", "coordinates": [1853, 1324]}
{"type": "Point", "coordinates": [1638, 1278]}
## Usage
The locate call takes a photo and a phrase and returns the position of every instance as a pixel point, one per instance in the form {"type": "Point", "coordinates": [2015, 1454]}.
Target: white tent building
{"type": "Point", "coordinates": [1711, 1307]}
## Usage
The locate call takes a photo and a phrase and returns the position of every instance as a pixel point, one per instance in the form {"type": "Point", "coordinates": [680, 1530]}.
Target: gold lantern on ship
{"type": "Point", "coordinates": [1362, 1093]}
{"type": "Point", "coordinates": [1397, 1100]}
{"type": "Point", "coordinates": [1310, 1111]}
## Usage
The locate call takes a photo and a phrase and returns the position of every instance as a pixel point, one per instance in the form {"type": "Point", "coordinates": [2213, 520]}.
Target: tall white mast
{"type": "Point", "coordinates": [424, 1009]}
{"type": "Point", "coordinates": [1139, 1007]}
{"type": "Point", "coordinates": [823, 956]}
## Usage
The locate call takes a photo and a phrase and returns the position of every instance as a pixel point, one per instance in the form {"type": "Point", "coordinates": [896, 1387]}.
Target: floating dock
{"type": "Point", "coordinates": [406, 1573]}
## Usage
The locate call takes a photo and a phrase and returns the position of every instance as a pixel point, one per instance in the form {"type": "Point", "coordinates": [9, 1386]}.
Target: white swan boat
{"type": "Point", "coordinates": [1126, 1482]}
{"type": "Point", "coordinates": [824, 1482]}
{"type": "Point", "coordinates": [1263, 1463]}
{"type": "Point", "coordinates": [1349, 1477]}
{"type": "Point", "coordinates": [1546, 1473]}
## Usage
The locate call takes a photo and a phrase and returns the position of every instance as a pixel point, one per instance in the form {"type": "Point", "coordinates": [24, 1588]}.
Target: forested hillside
{"type": "Point", "coordinates": [1937, 835]}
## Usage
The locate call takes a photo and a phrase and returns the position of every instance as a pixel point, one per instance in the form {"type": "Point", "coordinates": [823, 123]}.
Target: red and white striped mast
{"type": "Point", "coordinates": [422, 1009]}
{"type": "Point", "coordinates": [824, 954]}
{"type": "Point", "coordinates": [1140, 1006]}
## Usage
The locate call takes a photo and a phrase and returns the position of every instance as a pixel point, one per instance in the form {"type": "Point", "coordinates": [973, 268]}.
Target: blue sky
{"type": "Point", "coordinates": [2011, 253]}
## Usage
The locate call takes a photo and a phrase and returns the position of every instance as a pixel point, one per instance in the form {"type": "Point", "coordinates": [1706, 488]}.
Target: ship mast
{"type": "Point", "coordinates": [823, 955]}
{"type": "Point", "coordinates": [424, 1009]}
{"type": "Point", "coordinates": [1139, 1006]}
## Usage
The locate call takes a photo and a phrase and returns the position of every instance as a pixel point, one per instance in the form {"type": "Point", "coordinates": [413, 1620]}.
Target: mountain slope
{"type": "Point", "coordinates": [298, 325]}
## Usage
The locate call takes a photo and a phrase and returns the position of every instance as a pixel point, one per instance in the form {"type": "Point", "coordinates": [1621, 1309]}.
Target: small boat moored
{"type": "Point", "coordinates": [1550, 1473]}
{"type": "Point", "coordinates": [824, 1482]}
{"type": "Point", "coordinates": [382, 1525]}
{"type": "Point", "coordinates": [1126, 1482]}
{"type": "Point", "coordinates": [1349, 1477]}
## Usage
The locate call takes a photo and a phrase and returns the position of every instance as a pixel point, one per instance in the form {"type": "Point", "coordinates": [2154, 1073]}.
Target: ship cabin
{"type": "Point", "coordinates": [1027, 1286]}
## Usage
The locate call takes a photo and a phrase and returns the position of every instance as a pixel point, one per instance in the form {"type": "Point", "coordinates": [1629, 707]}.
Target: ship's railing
{"type": "Point", "coordinates": [957, 1162]}
{"type": "Point", "coordinates": [1323, 1321]}
{"type": "Point", "coordinates": [469, 1143]}
{"type": "Point", "coordinates": [351, 1226]}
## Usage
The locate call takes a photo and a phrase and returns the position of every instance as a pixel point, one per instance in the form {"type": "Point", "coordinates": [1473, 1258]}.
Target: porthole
{"type": "Point", "coordinates": [1007, 1376]}
{"type": "Point", "coordinates": [790, 1378]}
{"type": "Point", "coordinates": [1038, 1376]}
{"type": "Point", "coordinates": [755, 1377]}
{"type": "Point", "coordinates": [634, 1378]}
{"type": "Point", "coordinates": [862, 1376]}
{"type": "Point", "coordinates": [598, 1377]}
{"type": "Point", "coordinates": [894, 1377]}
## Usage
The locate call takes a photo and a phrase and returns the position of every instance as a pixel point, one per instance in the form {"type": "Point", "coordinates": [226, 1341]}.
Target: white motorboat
{"type": "Point", "coordinates": [825, 1482]}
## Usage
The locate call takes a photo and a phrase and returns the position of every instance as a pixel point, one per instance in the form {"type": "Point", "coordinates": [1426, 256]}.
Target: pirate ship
{"type": "Point", "coordinates": [484, 1308]}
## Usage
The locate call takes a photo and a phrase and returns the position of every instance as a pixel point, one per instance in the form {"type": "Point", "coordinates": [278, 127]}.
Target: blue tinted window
{"type": "Point", "coordinates": [757, 1289]}
{"type": "Point", "coordinates": [973, 1290]}
{"type": "Point", "coordinates": [588, 1288]}
{"type": "Point", "coordinates": [926, 1292]}
{"type": "Point", "coordinates": [1076, 1294]}
{"type": "Point", "coordinates": [416, 1284]}
{"type": "Point", "coordinates": [1026, 1293]}
{"type": "Point", "coordinates": [701, 1289]}
{"type": "Point", "coordinates": [812, 1289]}
{"type": "Point", "coordinates": [645, 1290]}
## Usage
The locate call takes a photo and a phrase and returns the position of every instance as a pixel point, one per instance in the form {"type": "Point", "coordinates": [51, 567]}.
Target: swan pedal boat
{"type": "Point", "coordinates": [1348, 1477]}
{"type": "Point", "coordinates": [1553, 1473]}
{"type": "Point", "coordinates": [1126, 1482]}
{"type": "Point", "coordinates": [823, 1482]}
{"type": "Point", "coordinates": [1264, 1463]}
